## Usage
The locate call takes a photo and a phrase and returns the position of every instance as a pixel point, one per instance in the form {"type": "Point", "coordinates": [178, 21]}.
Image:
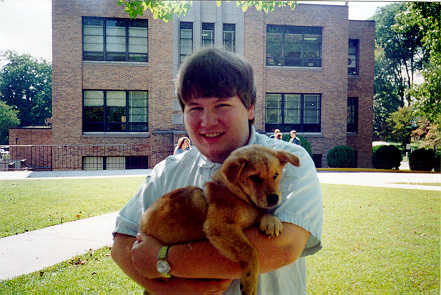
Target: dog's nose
{"type": "Point", "coordinates": [272, 199]}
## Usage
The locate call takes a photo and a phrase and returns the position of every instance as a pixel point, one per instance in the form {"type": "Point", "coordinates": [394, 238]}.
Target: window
{"type": "Point", "coordinates": [115, 111]}
{"type": "Point", "coordinates": [185, 40]}
{"type": "Point", "coordinates": [353, 58]}
{"type": "Point", "coordinates": [293, 111]}
{"type": "Point", "coordinates": [207, 34]}
{"type": "Point", "coordinates": [352, 114]}
{"type": "Point", "coordinates": [115, 39]}
{"type": "Point", "coordinates": [115, 163]}
{"type": "Point", "coordinates": [229, 37]}
{"type": "Point", "coordinates": [293, 46]}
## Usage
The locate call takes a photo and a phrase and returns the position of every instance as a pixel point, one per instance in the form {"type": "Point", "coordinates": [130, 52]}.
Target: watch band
{"type": "Point", "coordinates": [162, 255]}
{"type": "Point", "coordinates": [162, 264]}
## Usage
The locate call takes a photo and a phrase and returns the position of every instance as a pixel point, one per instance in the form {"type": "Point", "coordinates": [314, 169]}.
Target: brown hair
{"type": "Point", "coordinates": [212, 72]}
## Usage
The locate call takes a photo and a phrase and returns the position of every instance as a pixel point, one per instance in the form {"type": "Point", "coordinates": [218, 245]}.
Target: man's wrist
{"type": "Point", "coordinates": [162, 265]}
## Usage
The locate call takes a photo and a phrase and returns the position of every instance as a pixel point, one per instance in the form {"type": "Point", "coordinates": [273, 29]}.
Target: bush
{"type": "Point", "coordinates": [386, 157]}
{"type": "Point", "coordinates": [437, 163]}
{"type": "Point", "coordinates": [303, 142]}
{"type": "Point", "coordinates": [341, 156]}
{"type": "Point", "coordinates": [422, 160]}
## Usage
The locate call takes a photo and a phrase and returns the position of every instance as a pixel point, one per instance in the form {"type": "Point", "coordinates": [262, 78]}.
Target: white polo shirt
{"type": "Point", "coordinates": [301, 205]}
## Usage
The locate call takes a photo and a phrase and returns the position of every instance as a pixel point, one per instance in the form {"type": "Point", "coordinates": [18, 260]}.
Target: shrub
{"type": "Point", "coordinates": [422, 160]}
{"type": "Point", "coordinates": [341, 156]}
{"type": "Point", "coordinates": [303, 142]}
{"type": "Point", "coordinates": [437, 163]}
{"type": "Point", "coordinates": [386, 157]}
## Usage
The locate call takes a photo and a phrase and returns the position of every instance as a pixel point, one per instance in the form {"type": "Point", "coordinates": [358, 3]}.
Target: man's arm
{"type": "Point", "coordinates": [202, 260]}
{"type": "Point", "coordinates": [121, 253]}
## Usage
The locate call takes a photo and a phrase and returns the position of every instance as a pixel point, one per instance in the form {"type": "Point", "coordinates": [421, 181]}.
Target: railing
{"type": "Point", "coordinates": [76, 157]}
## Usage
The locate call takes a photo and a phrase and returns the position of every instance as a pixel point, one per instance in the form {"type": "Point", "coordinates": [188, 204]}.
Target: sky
{"type": "Point", "coordinates": [26, 25]}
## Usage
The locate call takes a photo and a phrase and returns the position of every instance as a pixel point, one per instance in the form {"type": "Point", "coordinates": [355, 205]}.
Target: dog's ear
{"type": "Point", "coordinates": [285, 157]}
{"type": "Point", "coordinates": [233, 169]}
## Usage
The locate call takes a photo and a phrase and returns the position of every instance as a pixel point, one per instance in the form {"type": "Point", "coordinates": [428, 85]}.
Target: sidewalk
{"type": "Point", "coordinates": [35, 250]}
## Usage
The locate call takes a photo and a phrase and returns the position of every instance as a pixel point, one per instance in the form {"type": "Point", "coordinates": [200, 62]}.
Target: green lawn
{"type": "Point", "coordinates": [375, 241]}
{"type": "Point", "coordinates": [31, 204]}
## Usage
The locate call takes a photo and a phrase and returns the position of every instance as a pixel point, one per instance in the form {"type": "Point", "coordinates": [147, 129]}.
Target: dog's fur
{"type": "Point", "coordinates": [239, 196]}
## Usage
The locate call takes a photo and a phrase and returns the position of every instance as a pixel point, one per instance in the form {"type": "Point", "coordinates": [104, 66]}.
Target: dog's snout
{"type": "Point", "coordinates": [272, 199]}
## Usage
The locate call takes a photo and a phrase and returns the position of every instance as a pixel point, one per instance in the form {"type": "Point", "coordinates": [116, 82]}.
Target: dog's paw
{"type": "Point", "coordinates": [271, 225]}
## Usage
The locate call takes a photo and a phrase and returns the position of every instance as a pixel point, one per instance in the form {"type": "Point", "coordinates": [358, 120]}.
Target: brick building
{"type": "Point", "coordinates": [113, 77]}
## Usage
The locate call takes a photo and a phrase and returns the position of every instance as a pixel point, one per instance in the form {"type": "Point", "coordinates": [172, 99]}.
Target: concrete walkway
{"type": "Point", "coordinates": [35, 250]}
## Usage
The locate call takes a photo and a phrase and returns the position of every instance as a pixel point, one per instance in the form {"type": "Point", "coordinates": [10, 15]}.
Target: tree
{"type": "Point", "coordinates": [8, 119]}
{"type": "Point", "coordinates": [403, 49]}
{"type": "Point", "coordinates": [166, 9]}
{"type": "Point", "coordinates": [400, 125]}
{"type": "Point", "coordinates": [26, 85]}
{"type": "Point", "coordinates": [386, 98]}
{"type": "Point", "coordinates": [426, 16]}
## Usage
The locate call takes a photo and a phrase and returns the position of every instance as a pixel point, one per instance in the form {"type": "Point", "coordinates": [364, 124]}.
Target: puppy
{"type": "Point", "coordinates": [239, 196]}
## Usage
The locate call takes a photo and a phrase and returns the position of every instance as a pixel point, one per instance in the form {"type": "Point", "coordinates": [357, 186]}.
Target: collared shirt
{"type": "Point", "coordinates": [301, 205]}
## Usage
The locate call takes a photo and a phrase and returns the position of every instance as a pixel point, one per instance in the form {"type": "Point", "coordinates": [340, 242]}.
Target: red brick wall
{"type": "Point", "coordinates": [363, 88]}
{"type": "Point", "coordinates": [40, 135]}
{"type": "Point", "coordinates": [71, 75]}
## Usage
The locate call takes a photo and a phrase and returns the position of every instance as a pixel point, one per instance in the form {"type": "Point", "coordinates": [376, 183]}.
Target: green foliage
{"type": "Point", "coordinates": [386, 157]}
{"type": "Point", "coordinates": [426, 16]}
{"type": "Point", "coordinates": [303, 142]}
{"type": "Point", "coordinates": [400, 125]}
{"type": "Point", "coordinates": [8, 119]}
{"type": "Point", "coordinates": [26, 84]}
{"type": "Point", "coordinates": [402, 49]}
{"type": "Point", "coordinates": [165, 10]}
{"type": "Point", "coordinates": [341, 156]}
{"type": "Point", "coordinates": [422, 160]}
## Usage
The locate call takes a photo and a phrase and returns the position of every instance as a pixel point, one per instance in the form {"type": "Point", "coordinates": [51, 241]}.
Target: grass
{"type": "Point", "coordinates": [37, 203]}
{"type": "Point", "coordinates": [375, 241]}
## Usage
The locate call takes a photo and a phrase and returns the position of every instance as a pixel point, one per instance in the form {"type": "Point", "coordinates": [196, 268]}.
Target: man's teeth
{"type": "Point", "coordinates": [212, 135]}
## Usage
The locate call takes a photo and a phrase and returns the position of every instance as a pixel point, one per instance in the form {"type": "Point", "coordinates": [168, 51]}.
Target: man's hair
{"type": "Point", "coordinates": [212, 72]}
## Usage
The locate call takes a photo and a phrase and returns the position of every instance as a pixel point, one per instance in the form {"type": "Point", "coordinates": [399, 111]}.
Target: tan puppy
{"type": "Point", "coordinates": [239, 195]}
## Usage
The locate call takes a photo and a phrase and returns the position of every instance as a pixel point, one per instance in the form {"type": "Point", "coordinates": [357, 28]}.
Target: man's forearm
{"type": "Point", "coordinates": [121, 253]}
{"type": "Point", "coordinates": [202, 260]}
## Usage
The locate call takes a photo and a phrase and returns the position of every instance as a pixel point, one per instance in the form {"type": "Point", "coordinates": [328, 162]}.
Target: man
{"type": "Point", "coordinates": [217, 93]}
{"type": "Point", "coordinates": [294, 138]}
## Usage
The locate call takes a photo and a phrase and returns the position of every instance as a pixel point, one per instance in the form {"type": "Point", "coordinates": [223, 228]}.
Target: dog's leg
{"type": "Point", "coordinates": [271, 225]}
{"type": "Point", "coordinates": [230, 240]}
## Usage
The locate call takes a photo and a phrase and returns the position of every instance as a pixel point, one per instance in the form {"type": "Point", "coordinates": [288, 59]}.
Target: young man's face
{"type": "Point", "coordinates": [217, 126]}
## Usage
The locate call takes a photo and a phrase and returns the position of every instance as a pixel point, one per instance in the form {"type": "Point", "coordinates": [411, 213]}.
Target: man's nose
{"type": "Point", "coordinates": [209, 118]}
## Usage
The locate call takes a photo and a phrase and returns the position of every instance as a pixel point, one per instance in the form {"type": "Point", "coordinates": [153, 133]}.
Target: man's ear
{"type": "Point", "coordinates": [233, 169]}
{"type": "Point", "coordinates": [251, 112]}
{"type": "Point", "coordinates": [285, 157]}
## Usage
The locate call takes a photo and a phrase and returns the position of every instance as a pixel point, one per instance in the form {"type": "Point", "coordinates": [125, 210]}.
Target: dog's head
{"type": "Point", "coordinates": [254, 173]}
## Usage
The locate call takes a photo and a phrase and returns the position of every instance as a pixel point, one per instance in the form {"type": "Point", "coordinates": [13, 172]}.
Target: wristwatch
{"type": "Point", "coordinates": [162, 264]}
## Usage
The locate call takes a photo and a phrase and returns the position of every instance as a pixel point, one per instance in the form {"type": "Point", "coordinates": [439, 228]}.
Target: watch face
{"type": "Point", "coordinates": [162, 266]}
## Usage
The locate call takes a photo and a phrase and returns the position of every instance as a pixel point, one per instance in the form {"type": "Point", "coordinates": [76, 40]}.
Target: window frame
{"type": "Point", "coordinates": [183, 55]}
{"type": "Point", "coordinates": [207, 28]}
{"type": "Point", "coordinates": [115, 56]}
{"type": "Point", "coordinates": [285, 47]}
{"type": "Point", "coordinates": [104, 124]}
{"type": "Point", "coordinates": [353, 71]}
{"type": "Point", "coordinates": [301, 126]}
{"type": "Point", "coordinates": [352, 119]}
{"type": "Point", "coordinates": [229, 30]}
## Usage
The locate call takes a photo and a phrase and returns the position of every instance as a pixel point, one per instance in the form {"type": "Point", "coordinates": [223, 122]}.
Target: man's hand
{"type": "Point", "coordinates": [121, 253]}
{"type": "Point", "coordinates": [145, 251]}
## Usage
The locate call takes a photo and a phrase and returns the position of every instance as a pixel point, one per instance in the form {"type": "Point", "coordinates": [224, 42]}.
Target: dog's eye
{"type": "Point", "coordinates": [275, 175]}
{"type": "Point", "coordinates": [256, 178]}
